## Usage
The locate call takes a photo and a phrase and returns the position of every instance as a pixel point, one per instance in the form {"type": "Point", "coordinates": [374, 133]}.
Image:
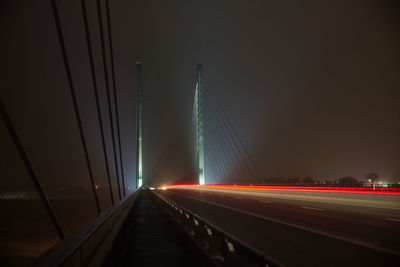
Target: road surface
{"type": "Point", "coordinates": [302, 230]}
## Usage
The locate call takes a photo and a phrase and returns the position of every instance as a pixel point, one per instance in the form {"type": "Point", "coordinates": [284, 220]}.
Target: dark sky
{"type": "Point", "coordinates": [312, 87]}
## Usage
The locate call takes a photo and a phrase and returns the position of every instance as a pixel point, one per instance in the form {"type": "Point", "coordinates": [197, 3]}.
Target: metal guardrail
{"type": "Point", "coordinates": [91, 246]}
{"type": "Point", "coordinates": [222, 248]}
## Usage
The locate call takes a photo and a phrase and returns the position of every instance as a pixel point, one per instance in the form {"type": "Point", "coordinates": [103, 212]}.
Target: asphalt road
{"type": "Point", "coordinates": [302, 231]}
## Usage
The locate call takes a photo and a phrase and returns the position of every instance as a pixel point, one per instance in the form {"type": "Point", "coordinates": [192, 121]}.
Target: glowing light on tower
{"type": "Point", "coordinates": [198, 110]}
{"type": "Point", "coordinates": [139, 122]}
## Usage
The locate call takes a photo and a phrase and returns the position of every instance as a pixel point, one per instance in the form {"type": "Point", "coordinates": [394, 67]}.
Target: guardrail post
{"type": "Point", "coordinates": [221, 249]}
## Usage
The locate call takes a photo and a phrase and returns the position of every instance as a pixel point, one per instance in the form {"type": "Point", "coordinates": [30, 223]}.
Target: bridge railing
{"type": "Point", "coordinates": [91, 246]}
{"type": "Point", "coordinates": [221, 248]}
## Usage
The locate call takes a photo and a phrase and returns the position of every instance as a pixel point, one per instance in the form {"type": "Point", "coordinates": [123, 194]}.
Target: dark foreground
{"type": "Point", "coordinates": [26, 231]}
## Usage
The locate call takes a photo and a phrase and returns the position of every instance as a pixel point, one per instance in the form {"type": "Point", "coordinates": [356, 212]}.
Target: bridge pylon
{"type": "Point", "coordinates": [139, 126]}
{"type": "Point", "coordinates": [199, 125]}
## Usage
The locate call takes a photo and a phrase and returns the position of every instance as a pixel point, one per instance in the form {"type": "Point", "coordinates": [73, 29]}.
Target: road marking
{"type": "Point", "coordinates": [311, 208]}
{"type": "Point", "coordinates": [304, 228]}
{"type": "Point", "coordinates": [394, 220]}
{"type": "Point", "coordinates": [265, 201]}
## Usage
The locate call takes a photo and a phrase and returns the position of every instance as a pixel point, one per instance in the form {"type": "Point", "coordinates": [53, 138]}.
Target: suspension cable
{"type": "Point", "coordinates": [241, 160]}
{"type": "Point", "coordinates": [96, 93]}
{"type": "Point", "coordinates": [213, 160]}
{"type": "Point", "coordinates": [110, 115]}
{"type": "Point", "coordinates": [234, 154]}
{"type": "Point", "coordinates": [113, 79]}
{"type": "Point", "coordinates": [217, 155]}
{"type": "Point", "coordinates": [29, 168]}
{"type": "Point", "coordinates": [240, 140]}
{"type": "Point", "coordinates": [74, 100]}
{"type": "Point", "coordinates": [220, 144]}
{"type": "Point", "coordinates": [226, 120]}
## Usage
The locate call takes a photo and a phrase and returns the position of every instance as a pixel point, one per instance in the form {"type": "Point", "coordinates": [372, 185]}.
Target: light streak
{"type": "Point", "coordinates": [358, 190]}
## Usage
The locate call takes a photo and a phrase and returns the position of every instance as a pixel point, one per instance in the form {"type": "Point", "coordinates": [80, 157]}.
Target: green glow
{"type": "Point", "coordinates": [198, 110]}
{"type": "Point", "coordinates": [139, 125]}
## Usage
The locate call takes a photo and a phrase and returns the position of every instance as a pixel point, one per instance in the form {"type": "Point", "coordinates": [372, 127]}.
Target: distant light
{"type": "Point", "coordinates": [97, 186]}
{"type": "Point", "coordinates": [163, 188]}
{"type": "Point", "coordinates": [152, 188]}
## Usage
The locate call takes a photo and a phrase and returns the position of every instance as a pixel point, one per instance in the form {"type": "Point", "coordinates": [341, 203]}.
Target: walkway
{"type": "Point", "coordinates": [147, 238]}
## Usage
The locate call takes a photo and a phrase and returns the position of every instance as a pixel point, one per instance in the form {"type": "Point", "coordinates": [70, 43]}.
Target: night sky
{"type": "Point", "coordinates": [312, 87]}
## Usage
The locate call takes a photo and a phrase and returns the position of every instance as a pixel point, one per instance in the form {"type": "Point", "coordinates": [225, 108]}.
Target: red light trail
{"type": "Point", "coordinates": [361, 190]}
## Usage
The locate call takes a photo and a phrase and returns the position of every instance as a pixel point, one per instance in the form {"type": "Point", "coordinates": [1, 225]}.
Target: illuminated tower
{"type": "Point", "coordinates": [198, 110]}
{"type": "Point", "coordinates": [139, 126]}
